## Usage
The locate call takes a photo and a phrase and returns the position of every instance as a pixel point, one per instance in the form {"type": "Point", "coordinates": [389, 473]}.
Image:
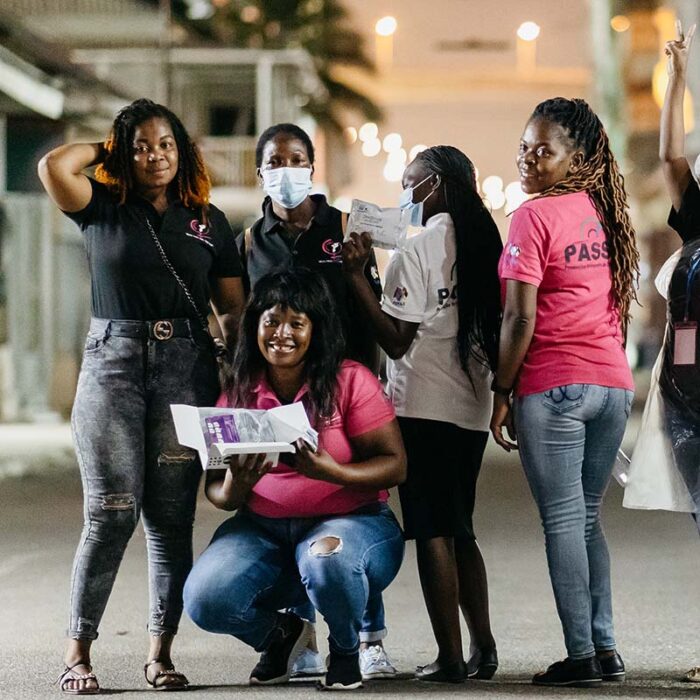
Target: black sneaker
{"type": "Point", "coordinates": [343, 673]}
{"type": "Point", "coordinates": [288, 640]}
{"type": "Point", "coordinates": [613, 667]}
{"type": "Point", "coordinates": [580, 673]}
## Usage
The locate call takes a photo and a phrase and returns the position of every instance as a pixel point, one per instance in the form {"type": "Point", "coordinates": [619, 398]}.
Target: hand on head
{"type": "Point", "coordinates": [678, 50]}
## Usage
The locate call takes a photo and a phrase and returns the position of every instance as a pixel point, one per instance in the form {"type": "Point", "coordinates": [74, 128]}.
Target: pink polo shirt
{"type": "Point", "coordinates": [361, 407]}
{"type": "Point", "coordinates": [558, 245]}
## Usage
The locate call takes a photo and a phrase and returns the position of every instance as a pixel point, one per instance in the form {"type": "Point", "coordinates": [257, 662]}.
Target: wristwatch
{"type": "Point", "coordinates": [500, 390]}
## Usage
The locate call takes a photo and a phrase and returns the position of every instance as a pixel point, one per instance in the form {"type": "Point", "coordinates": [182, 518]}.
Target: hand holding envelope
{"type": "Point", "coordinates": [217, 433]}
{"type": "Point", "coordinates": [387, 226]}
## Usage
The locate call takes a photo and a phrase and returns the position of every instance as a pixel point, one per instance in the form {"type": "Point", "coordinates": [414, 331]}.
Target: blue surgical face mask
{"type": "Point", "coordinates": [289, 187]}
{"type": "Point", "coordinates": [415, 208]}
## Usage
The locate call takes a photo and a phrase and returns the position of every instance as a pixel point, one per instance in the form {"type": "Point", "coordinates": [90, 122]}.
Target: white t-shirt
{"type": "Point", "coordinates": [428, 381]}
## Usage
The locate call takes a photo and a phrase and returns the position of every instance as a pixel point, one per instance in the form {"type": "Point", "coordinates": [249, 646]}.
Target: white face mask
{"type": "Point", "coordinates": [289, 187]}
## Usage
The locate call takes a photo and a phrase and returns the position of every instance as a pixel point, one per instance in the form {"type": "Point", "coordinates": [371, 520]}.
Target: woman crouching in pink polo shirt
{"type": "Point", "coordinates": [316, 523]}
{"type": "Point", "coordinates": [568, 272]}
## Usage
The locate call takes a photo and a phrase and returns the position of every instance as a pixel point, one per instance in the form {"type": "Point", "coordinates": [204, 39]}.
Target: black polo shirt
{"type": "Point", "coordinates": [317, 248]}
{"type": "Point", "coordinates": [129, 279]}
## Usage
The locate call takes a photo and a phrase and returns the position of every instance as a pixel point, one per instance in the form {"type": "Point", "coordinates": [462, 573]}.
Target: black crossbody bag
{"type": "Point", "coordinates": [220, 350]}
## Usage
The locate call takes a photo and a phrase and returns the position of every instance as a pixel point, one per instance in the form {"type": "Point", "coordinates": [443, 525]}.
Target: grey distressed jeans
{"type": "Point", "coordinates": [132, 466]}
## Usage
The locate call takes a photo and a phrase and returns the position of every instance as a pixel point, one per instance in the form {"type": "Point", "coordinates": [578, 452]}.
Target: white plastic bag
{"type": "Point", "coordinates": [653, 481]}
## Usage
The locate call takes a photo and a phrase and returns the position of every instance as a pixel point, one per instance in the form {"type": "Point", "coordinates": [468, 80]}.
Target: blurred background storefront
{"type": "Point", "coordinates": [373, 82]}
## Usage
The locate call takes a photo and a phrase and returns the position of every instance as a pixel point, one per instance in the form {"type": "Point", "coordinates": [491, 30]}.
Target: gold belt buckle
{"type": "Point", "coordinates": [163, 330]}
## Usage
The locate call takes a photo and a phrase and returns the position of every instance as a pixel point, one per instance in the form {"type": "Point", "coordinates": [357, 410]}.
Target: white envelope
{"type": "Point", "coordinates": [288, 424]}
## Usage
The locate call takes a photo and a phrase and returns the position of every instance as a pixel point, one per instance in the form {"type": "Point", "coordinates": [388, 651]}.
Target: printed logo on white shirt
{"type": "Point", "coordinates": [399, 296]}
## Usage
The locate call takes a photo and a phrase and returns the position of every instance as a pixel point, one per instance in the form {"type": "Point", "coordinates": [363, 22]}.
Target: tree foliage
{"type": "Point", "coordinates": [320, 27]}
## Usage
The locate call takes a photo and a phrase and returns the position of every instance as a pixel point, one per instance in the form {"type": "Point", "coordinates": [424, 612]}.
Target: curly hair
{"type": "Point", "coordinates": [305, 292]}
{"type": "Point", "coordinates": [288, 130]}
{"type": "Point", "coordinates": [601, 178]}
{"type": "Point", "coordinates": [192, 181]}
{"type": "Point", "coordinates": [479, 247]}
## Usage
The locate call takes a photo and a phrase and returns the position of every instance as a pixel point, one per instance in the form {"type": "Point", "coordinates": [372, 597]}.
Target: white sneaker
{"type": "Point", "coordinates": [309, 664]}
{"type": "Point", "coordinates": [374, 663]}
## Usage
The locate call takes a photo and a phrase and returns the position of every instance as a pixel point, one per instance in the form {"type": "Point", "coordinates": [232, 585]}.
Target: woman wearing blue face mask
{"type": "Point", "coordinates": [299, 229]}
{"type": "Point", "coordinates": [442, 346]}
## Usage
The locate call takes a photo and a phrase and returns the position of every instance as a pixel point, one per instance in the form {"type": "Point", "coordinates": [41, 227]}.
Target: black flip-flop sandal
{"type": "Point", "coordinates": [182, 684]}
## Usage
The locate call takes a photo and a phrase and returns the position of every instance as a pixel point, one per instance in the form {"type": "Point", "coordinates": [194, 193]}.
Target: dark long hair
{"type": "Point", "coordinates": [601, 178]}
{"type": "Point", "coordinates": [479, 248]}
{"type": "Point", "coordinates": [192, 182]}
{"type": "Point", "coordinates": [305, 292]}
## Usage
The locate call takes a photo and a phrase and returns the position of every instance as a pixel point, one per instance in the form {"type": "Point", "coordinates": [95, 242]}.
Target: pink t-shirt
{"type": "Point", "coordinates": [361, 407]}
{"type": "Point", "coordinates": [558, 245]}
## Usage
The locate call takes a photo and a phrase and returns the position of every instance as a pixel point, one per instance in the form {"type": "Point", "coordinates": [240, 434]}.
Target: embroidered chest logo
{"type": "Point", "coordinates": [399, 297]}
{"type": "Point", "coordinates": [333, 249]}
{"type": "Point", "coordinates": [200, 231]}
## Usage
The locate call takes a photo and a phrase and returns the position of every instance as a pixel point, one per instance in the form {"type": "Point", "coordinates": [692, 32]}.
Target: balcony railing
{"type": "Point", "coordinates": [230, 160]}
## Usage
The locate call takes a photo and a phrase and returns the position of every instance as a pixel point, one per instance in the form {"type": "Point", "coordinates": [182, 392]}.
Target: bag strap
{"type": "Point", "coordinates": [248, 240]}
{"type": "Point", "coordinates": [173, 272]}
{"type": "Point", "coordinates": [343, 221]}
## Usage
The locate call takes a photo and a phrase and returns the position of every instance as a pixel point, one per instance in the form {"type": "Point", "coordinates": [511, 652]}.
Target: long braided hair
{"type": "Point", "coordinates": [601, 178]}
{"type": "Point", "coordinates": [192, 182]}
{"type": "Point", "coordinates": [479, 247]}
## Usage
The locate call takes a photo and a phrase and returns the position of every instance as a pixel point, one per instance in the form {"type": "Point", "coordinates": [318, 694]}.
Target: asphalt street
{"type": "Point", "coordinates": [656, 564]}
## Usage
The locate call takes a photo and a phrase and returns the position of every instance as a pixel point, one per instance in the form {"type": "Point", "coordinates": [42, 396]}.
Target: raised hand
{"type": "Point", "coordinates": [356, 252]}
{"type": "Point", "coordinates": [678, 50]}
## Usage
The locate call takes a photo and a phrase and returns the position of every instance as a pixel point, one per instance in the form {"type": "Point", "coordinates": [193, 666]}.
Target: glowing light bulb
{"type": "Point", "coordinates": [368, 132]}
{"type": "Point", "coordinates": [386, 26]}
{"type": "Point", "coordinates": [392, 142]}
{"type": "Point", "coordinates": [620, 23]}
{"type": "Point", "coordinates": [371, 148]}
{"type": "Point", "coordinates": [528, 31]}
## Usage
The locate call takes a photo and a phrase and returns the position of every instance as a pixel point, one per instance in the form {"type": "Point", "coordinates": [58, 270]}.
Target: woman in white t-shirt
{"type": "Point", "coordinates": [439, 377]}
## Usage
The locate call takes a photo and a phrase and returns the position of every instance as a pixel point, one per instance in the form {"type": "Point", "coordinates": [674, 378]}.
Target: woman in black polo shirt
{"type": "Point", "coordinates": [302, 230]}
{"type": "Point", "coordinates": [159, 254]}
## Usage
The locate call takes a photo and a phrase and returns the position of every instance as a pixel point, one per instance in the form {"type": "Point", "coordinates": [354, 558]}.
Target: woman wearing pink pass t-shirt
{"type": "Point", "coordinates": [317, 523]}
{"type": "Point", "coordinates": [568, 272]}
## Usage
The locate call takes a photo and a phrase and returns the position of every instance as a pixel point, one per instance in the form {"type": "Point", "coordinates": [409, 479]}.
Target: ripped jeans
{"type": "Point", "coordinates": [255, 566]}
{"type": "Point", "coordinates": [132, 466]}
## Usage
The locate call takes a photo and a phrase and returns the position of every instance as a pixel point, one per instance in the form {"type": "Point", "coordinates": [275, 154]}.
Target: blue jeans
{"type": "Point", "coordinates": [373, 621]}
{"type": "Point", "coordinates": [569, 437]}
{"type": "Point", "coordinates": [255, 566]}
{"type": "Point", "coordinates": [132, 467]}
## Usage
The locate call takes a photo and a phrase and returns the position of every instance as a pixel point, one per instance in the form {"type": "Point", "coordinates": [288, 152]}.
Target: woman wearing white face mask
{"type": "Point", "coordinates": [299, 229]}
{"type": "Point", "coordinates": [442, 348]}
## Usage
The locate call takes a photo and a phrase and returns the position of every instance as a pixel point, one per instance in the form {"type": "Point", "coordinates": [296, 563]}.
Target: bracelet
{"type": "Point", "coordinates": [500, 390]}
